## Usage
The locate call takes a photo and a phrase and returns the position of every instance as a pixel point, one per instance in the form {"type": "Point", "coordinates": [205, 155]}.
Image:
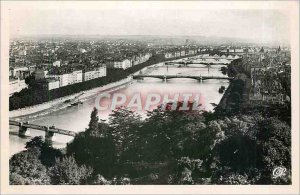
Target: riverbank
{"type": "Point", "coordinates": [55, 105]}
{"type": "Point", "coordinates": [236, 97]}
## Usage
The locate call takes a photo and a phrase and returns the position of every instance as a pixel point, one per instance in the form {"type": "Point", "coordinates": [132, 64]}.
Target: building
{"type": "Point", "coordinates": [68, 78]}
{"type": "Point", "coordinates": [182, 53]}
{"type": "Point", "coordinates": [239, 50]}
{"type": "Point", "coordinates": [100, 72]}
{"type": "Point", "coordinates": [177, 54]}
{"type": "Point", "coordinates": [47, 84]}
{"type": "Point", "coordinates": [10, 72]}
{"type": "Point", "coordinates": [257, 73]}
{"type": "Point", "coordinates": [82, 50]}
{"type": "Point", "coordinates": [17, 71]}
{"type": "Point", "coordinates": [88, 75]}
{"type": "Point", "coordinates": [62, 78]}
{"type": "Point", "coordinates": [22, 52]}
{"type": "Point", "coordinates": [57, 63]}
{"type": "Point", "coordinates": [76, 77]}
{"type": "Point", "coordinates": [32, 68]}
{"type": "Point", "coordinates": [140, 59]}
{"type": "Point", "coordinates": [124, 64]}
{"type": "Point", "coordinates": [40, 74]}
{"type": "Point", "coordinates": [52, 84]}
{"type": "Point", "coordinates": [16, 85]}
{"type": "Point", "coordinates": [169, 55]}
{"type": "Point", "coordinates": [191, 52]}
{"type": "Point", "coordinates": [94, 73]}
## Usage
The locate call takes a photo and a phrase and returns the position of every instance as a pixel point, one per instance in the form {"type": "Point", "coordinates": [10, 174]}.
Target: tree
{"type": "Point", "coordinates": [30, 81]}
{"type": "Point", "coordinates": [94, 147]}
{"type": "Point", "coordinates": [124, 125]}
{"type": "Point", "coordinates": [36, 142]}
{"type": "Point", "coordinates": [26, 168]}
{"type": "Point", "coordinates": [16, 179]}
{"type": "Point", "coordinates": [238, 152]}
{"type": "Point", "coordinates": [100, 180]}
{"type": "Point", "coordinates": [274, 147]}
{"type": "Point", "coordinates": [186, 171]}
{"type": "Point", "coordinates": [67, 171]}
{"type": "Point", "coordinates": [48, 154]}
{"type": "Point", "coordinates": [94, 122]}
{"type": "Point", "coordinates": [234, 179]}
{"type": "Point", "coordinates": [252, 148]}
{"type": "Point", "coordinates": [96, 152]}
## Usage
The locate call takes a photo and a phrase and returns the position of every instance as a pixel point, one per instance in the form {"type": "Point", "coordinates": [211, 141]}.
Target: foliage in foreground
{"type": "Point", "coordinates": [168, 147]}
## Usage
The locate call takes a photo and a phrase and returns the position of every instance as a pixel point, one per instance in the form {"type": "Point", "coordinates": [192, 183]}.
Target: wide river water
{"type": "Point", "coordinates": [76, 118]}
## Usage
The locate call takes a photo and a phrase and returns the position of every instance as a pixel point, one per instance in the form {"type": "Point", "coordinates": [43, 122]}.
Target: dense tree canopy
{"type": "Point", "coordinates": [27, 169]}
{"type": "Point", "coordinates": [167, 147]}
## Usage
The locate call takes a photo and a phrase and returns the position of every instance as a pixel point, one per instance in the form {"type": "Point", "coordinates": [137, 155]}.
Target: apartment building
{"type": "Point", "coordinates": [169, 55]}
{"type": "Point", "coordinates": [182, 53]}
{"type": "Point", "coordinates": [124, 64]}
{"type": "Point", "coordinates": [16, 85]}
{"type": "Point", "coordinates": [140, 59]}
{"type": "Point", "coordinates": [52, 84]}
{"type": "Point", "coordinates": [68, 78]}
{"type": "Point", "coordinates": [94, 73]}
{"type": "Point", "coordinates": [100, 72]}
{"type": "Point", "coordinates": [17, 71]}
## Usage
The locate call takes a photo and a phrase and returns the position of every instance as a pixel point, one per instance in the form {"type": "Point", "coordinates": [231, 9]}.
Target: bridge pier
{"type": "Point", "coordinates": [22, 129]}
{"type": "Point", "coordinates": [48, 136]}
{"type": "Point", "coordinates": [200, 79]}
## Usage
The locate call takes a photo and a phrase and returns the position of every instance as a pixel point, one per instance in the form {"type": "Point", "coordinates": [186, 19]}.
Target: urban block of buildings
{"type": "Point", "coordinates": [16, 85]}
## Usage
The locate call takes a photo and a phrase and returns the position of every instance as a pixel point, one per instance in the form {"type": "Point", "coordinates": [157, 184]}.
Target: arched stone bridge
{"type": "Point", "coordinates": [166, 77]}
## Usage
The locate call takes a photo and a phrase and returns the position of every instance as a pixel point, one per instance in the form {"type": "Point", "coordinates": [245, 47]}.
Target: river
{"type": "Point", "coordinates": [76, 118]}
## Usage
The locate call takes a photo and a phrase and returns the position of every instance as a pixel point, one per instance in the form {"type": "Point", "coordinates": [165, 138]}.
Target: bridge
{"type": "Point", "coordinates": [215, 57]}
{"type": "Point", "coordinates": [186, 63]}
{"type": "Point", "coordinates": [230, 56]}
{"type": "Point", "coordinates": [49, 131]}
{"type": "Point", "coordinates": [166, 77]}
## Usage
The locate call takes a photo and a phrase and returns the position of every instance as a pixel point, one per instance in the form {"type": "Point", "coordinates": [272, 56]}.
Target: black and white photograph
{"type": "Point", "coordinates": [160, 93]}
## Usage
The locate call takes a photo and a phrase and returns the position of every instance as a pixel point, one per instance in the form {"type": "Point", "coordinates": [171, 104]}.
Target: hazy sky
{"type": "Point", "coordinates": [260, 25]}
